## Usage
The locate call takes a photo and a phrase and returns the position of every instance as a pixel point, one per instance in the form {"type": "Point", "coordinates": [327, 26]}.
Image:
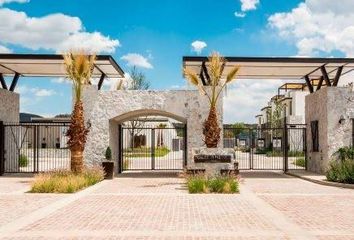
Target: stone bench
{"type": "Point", "coordinates": [233, 172]}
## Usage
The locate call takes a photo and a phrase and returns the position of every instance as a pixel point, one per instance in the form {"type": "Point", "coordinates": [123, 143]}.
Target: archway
{"type": "Point", "coordinates": [151, 140]}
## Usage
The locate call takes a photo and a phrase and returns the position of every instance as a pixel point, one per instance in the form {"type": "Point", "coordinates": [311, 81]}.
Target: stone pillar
{"type": "Point", "coordinates": [328, 106]}
{"type": "Point", "coordinates": [9, 113]}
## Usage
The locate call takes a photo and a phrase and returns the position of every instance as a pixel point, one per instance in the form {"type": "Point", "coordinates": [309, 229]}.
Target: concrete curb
{"type": "Point", "coordinates": [322, 182]}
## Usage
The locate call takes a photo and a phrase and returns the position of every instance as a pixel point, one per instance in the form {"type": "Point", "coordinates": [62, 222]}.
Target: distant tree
{"type": "Point", "coordinates": [63, 115]}
{"type": "Point", "coordinates": [138, 81]}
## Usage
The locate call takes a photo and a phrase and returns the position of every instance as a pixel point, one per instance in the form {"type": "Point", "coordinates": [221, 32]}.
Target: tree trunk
{"type": "Point", "coordinates": [211, 129]}
{"type": "Point", "coordinates": [77, 134]}
{"type": "Point", "coordinates": [77, 164]}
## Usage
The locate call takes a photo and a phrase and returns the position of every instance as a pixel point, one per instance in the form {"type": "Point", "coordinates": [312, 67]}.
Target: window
{"type": "Point", "coordinates": [291, 108]}
{"type": "Point", "coordinates": [314, 136]}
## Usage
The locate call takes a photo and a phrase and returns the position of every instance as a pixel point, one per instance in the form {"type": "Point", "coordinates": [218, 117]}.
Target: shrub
{"type": "Point", "coordinates": [341, 171]}
{"type": "Point", "coordinates": [64, 181]}
{"type": "Point", "coordinates": [196, 184]}
{"type": "Point", "coordinates": [108, 154]}
{"type": "Point", "coordinates": [300, 162]}
{"type": "Point", "coordinates": [344, 153]}
{"type": "Point", "coordinates": [216, 184]}
{"type": "Point", "coordinates": [23, 160]}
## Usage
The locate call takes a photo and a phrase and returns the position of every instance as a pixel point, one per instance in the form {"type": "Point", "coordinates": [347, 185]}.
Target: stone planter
{"type": "Point", "coordinates": [108, 168]}
{"type": "Point", "coordinates": [213, 160]}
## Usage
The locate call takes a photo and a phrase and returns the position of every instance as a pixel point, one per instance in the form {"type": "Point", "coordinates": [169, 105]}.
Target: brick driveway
{"type": "Point", "coordinates": [270, 206]}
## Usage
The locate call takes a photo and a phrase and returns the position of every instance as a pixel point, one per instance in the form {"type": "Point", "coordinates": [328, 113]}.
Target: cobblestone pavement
{"type": "Point", "coordinates": [145, 206]}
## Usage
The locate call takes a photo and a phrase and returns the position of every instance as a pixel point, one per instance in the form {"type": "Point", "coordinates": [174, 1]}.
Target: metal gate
{"type": "Point", "coordinates": [268, 148]}
{"type": "Point", "coordinates": [33, 147]}
{"type": "Point", "coordinates": [156, 148]}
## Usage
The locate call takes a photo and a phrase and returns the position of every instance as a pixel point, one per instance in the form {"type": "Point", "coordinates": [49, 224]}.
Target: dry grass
{"type": "Point", "coordinates": [64, 181]}
{"type": "Point", "coordinates": [215, 184]}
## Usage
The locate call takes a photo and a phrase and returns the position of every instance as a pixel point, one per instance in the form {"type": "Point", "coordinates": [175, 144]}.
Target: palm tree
{"type": "Point", "coordinates": [79, 67]}
{"type": "Point", "coordinates": [211, 129]}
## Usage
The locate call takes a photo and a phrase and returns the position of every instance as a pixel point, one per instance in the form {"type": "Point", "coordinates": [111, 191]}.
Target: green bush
{"type": "Point", "coordinates": [196, 184]}
{"type": "Point", "coordinates": [23, 160]}
{"type": "Point", "coordinates": [64, 181]}
{"type": "Point", "coordinates": [344, 153]}
{"type": "Point", "coordinates": [216, 184]}
{"type": "Point", "coordinates": [300, 162]}
{"type": "Point", "coordinates": [108, 154]}
{"type": "Point", "coordinates": [341, 171]}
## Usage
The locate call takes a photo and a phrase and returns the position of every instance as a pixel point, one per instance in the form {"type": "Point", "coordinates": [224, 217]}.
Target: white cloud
{"type": "Point", "coordinates": [246, 97]}
{"type": "Point", "coordinates": [316, 26]}
{"type": "Point", "coordinates": [247, 5]}
{"type": "Point", "coordinates": [61, 80]}
{"type": "Point", "coordinates": [56, 32]}
{"type": "Point", "coordinates": [198, 46]}
{"type": "Point", "coordinates": [2, 2]}
{"type": "Point", "coordinates": [240, 14]}
{"type": "Point", "coordinates": [4, 49]}
{"type": "Point", "coordinates": [135, 59]}
{"type": "Point", "coordinates": [37, 92]}
{"type": "Point", "coordinates": [44, 92]}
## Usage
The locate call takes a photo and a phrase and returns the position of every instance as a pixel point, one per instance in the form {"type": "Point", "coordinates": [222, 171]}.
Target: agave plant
{"type": "Point", "coordinates": [79, 67]}
{"type": "Point", "coordinates": [217, 84]}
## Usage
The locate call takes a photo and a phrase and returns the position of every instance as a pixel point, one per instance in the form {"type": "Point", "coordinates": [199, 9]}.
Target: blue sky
{"type": "Point", "coordinates": [155, 34]}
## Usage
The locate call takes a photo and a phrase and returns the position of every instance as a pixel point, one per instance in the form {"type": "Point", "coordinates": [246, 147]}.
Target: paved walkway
{"type": "Point", "coordinates": [270, 206]}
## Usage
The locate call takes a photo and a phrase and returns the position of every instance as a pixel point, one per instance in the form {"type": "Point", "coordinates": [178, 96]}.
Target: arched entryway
{"type": "Point", "coordinates": [151, 140]}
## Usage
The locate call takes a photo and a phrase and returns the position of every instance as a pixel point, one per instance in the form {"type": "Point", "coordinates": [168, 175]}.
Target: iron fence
{"type": "Point", "coordinates": [152, 148]}
{"type": "Point", "coordinates": [34, 147]}
{"type": "Point", "coordinates": [267, 148]}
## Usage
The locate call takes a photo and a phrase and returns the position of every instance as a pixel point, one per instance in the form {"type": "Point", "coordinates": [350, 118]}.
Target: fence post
{"type": "Point", "coordinates": [2, 148]}
{"type": "Point", "coordinates": [285, 146]}
{"type": "Point", "coordinates": [185, 146]}
{"type": "Point", "coordinates": [152, 149]}
{"type": "Point", "coordinates": [120, 149]}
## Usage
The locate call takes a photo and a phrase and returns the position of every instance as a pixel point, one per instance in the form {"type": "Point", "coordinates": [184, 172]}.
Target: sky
{"type": "Point", "coordinates": [154, 35]}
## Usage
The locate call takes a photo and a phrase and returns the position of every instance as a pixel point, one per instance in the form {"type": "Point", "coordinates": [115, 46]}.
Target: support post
{"type": "Point", "coordinates": [14, 82]}
{"type": "Point", "coordinates": [100, 82]}
{"type": "Point", "coordinates": [286, 147]}
{"type": "Point", "coordinates": [2, 81]}
{"type": "Point", "coordinates": [185, 146]}
{"type": "Point", "coordinates": [320, 82]}
{"type": "Point", "coordinates": [153, 149]}
{"type": "Point", "coordinates": [205, 71]}
{"type": "Point", "coordinates": [2, 148]}
{"type": "Point", "coordinates": [120, 149]}
{"type": "Point", "coordinates": [309, 85]}
{"type": "Point", "coordinates": [325, 76]}
{"type": "Point", "coordinates": [338, 74]}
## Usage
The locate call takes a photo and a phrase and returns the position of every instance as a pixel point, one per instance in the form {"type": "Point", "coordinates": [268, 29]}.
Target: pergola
{"type": "Point", "coordinates": [50, 65]}
{"type": "Point", "coordinates": [312, 72]}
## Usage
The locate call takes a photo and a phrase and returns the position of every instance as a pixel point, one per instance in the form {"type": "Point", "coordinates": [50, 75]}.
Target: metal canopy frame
{"type": "Point", "coordinates": [313, 72]}
{"type": "Point", "coordinates": [51, 65]}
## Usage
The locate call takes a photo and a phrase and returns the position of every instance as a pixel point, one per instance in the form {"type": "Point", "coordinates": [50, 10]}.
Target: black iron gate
{"type": "Point", "coordinates": [267, 148]}
{"type": "Point", "coordinates": [33, 147]}
{"type": "Point", "coordinates": [155, 148]}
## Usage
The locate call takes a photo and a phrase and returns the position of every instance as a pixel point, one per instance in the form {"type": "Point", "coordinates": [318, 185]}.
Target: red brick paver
{"type": "Point", "coordinates": [270, 206]}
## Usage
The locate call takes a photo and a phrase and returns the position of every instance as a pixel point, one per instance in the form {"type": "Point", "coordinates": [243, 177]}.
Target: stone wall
{"type": "Point", "coordinates": [9, 106]}
{"type": "Point", "coordinates": [105, 110]}
{"type": "Point", "coordinates": [327, 106]}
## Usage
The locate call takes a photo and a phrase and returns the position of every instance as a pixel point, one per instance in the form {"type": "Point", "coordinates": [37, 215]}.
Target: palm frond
{"type": "Point", "coordinates": [79, 67]}
{"type": "Point", "coordinates": [232, 74]}
{"type": "Point", "coordinates": [191, 76]}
